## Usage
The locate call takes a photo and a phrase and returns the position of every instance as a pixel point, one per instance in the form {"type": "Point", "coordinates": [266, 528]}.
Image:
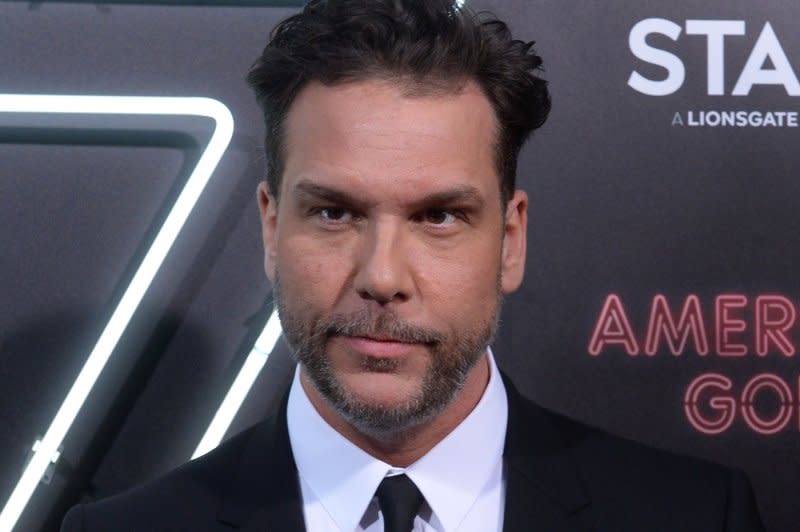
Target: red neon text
{"type": "Point", "coordinates": [711, 408]}
{"type": "Point", "coordinates": [739, 324]}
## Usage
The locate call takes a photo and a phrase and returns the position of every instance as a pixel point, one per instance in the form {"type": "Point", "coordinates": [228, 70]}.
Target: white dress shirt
{"type": "Point", "coordinates": [461, 478]}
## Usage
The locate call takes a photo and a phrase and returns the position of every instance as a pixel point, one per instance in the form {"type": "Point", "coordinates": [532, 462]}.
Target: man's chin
{"type": "Point", "coordinates": [382, 391]}
{"type": "Point", "coordinates": [381, 405]}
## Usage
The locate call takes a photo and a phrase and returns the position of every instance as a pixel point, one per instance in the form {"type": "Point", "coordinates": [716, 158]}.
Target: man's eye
{"type": "Point", "coordinates": [334, 214]}
{"type": "Point", "coordinates": [439, 217]}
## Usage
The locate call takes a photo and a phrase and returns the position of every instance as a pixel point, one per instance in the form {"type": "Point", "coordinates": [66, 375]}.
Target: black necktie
{"type": "Point", "coordinates": [399, 500]}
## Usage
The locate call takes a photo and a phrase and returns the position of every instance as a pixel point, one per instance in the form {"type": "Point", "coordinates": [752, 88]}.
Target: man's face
{"type": "Point", "coordinates": [390, 249]}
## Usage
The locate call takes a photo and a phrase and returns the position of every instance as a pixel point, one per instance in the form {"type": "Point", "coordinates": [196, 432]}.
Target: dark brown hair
{"type": "Point", "coordinates": [424, 45]}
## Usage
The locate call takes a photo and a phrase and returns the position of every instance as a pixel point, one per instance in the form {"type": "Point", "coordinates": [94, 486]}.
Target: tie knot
{"type": "Point", "coordinates": [400, 500]}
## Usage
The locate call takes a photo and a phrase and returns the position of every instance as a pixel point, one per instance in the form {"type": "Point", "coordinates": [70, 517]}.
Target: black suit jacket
{"type": "Point", "coordinates": [560, 476]}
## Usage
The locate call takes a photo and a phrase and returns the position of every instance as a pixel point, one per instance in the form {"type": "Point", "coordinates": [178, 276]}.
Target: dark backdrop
{"type": "Point", "coordinates": [630, 198]}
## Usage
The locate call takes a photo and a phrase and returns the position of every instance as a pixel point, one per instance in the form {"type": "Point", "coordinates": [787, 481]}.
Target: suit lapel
{"type": "Point", "coordinates": [543, 489]}
{"type": "Point", "coordinates": [264, 493]}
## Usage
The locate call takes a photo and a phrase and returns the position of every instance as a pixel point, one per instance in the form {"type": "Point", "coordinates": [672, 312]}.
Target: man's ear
{"type": "Point", "coordinates": [269, 220]}
{"type": "Point", "coordinates": [514, 242]}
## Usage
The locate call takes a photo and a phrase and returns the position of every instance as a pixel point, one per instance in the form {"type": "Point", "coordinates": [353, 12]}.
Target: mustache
{"type": "Point", "coordinates": [384, 324]}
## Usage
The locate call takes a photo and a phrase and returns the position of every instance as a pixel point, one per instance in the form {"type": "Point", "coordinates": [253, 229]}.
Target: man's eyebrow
{"type": "Point", "coordinates": [459, 194]}
{"type": "Point", "coordinates": [308, 188]}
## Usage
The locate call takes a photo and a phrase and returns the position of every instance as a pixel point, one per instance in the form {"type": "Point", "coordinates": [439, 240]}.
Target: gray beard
{"type": "Point", "coordinates": [452, 358]}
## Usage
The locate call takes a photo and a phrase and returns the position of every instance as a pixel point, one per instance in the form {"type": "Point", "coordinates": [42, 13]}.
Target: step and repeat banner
{"type": "Point", "coordinates": [661, 292]}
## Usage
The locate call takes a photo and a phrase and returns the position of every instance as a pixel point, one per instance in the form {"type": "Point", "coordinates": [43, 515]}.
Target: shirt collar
{"type": "Point", "coordinates": [342, 476]}
{"type": "Point", "coordinates": [453, 473]}
{"type": "Point", "coordinates": [450, 476]}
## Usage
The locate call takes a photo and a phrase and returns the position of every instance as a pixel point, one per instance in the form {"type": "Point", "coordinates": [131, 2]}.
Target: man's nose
{"type": "Point", "coordinates": [383, 270]}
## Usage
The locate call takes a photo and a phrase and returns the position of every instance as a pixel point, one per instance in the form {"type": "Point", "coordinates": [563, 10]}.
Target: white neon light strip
{"type": "Point", "coordinates": [115, 105]}
{"type": "Point", "coordinates": [241, 386]}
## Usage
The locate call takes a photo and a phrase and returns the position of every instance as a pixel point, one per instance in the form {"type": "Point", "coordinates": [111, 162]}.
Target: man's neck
{"type": "Point", "coordinates": [404, 448]}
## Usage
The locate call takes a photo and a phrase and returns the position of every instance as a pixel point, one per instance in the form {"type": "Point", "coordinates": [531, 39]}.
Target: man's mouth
{"type": "Point", "coordinates": [379, 346]}
{"type": "Point", "coordinates": [382, 339]}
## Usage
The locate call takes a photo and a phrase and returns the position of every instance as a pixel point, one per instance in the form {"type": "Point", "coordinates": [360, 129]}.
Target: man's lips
{"type": "Point", "coordinates": [378, 347]}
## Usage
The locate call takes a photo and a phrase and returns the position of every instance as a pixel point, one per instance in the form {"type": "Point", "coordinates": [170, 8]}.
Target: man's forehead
{"type": "Point", "coordinates": [375, 107]}
{"type": "Point", "coordinates": [365, 130]}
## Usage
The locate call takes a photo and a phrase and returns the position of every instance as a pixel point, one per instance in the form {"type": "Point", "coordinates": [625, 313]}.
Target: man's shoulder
{"type": "Point", "coordinates": [628, 481]}
{"type": "Point", "coordinates": [188, 497]}
{"type": "Point", "coordinates": [627, 461]}
{"type": "Point", "coordinates": [599, 450]}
